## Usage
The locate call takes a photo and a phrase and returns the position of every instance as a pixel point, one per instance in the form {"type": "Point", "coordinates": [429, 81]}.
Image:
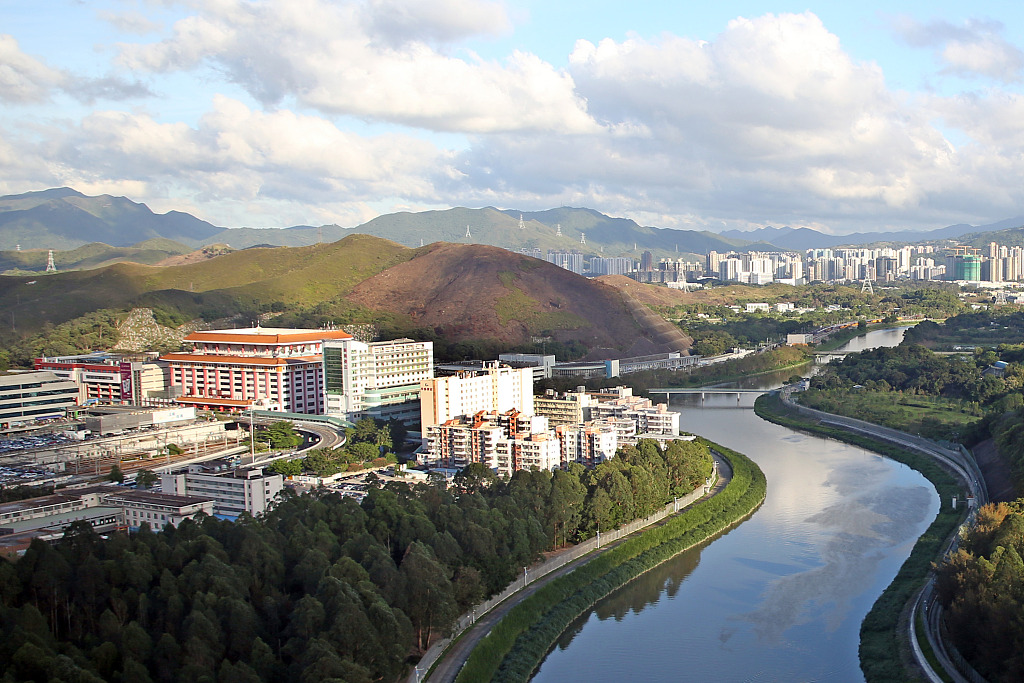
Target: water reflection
{"type": "Point", "coordinates": [779, 598]}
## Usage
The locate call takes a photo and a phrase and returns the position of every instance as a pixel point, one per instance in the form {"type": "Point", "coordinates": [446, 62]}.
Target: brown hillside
{"type": "Point", "coordinates": [649, 295]}
{"type": "Point", "coordinates": [483, 292]}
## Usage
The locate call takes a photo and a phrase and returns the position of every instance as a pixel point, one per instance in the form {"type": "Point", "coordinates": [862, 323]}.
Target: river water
{"type": "Point", "coordinates": [781, 596]}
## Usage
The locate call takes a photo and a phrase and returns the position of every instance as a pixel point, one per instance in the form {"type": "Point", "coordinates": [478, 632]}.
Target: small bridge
{"type": "Point", "coordinates": [825, 357]}
{"type": "Point", "coordinates": [704, 392]}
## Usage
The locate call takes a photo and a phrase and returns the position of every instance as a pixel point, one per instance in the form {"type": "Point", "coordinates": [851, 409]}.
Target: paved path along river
{"type": "Point", "coordinates": [779, 598]}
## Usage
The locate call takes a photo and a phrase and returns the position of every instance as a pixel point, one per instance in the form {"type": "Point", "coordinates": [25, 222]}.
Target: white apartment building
{"type": "Point", "coordinates": [380, 379]}
{"type": "Point", "coordinates": [504, 442]}
{"type": "Point", "coordinates": [492, 389]}
{"type": "Point", "coordinates": [540, 450]}
{"type": "Point", "coordinates": [233, 491]}
{"type": "Point", "coordinates": [589, 444]}
{"type": "Point", "coordinates": [647, 418]}
{"type": "Point", "coordinates": [463, 440]}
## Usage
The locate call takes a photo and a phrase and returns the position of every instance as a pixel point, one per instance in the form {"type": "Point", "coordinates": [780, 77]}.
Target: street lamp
{"type": "Point", "coordinates": [252, 435]}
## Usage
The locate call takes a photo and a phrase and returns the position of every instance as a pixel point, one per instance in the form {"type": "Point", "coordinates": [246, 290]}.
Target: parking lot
{"type": "Point", "coordinates": [30, 442]}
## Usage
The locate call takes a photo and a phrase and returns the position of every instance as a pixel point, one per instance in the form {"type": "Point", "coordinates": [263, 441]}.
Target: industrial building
{"type": "Point", "coordinates": [35, 395]}
{"type": "Point", "coordinates": [109, 378]}
{"type": "Point", "coordinates": [105, 508]}
{"type": "Point", "coordinates": [232, 490]}
{"type": "Point", "coordinates": [114, 419]}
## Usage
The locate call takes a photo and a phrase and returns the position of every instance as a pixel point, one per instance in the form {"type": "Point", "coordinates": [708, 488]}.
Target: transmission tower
{"type": "Point", "coordinates": [583, 238]}
{"type": "Point", "coordinates": [469, 235]}
{"type": "Point", "coordinates": [50, 267]}
{"type": "Point", "coordinates": [522, 225]}
{"type": "Point", "coordinates": [558, 230]}
{"type": "Point", "coordinates": [866, 287]}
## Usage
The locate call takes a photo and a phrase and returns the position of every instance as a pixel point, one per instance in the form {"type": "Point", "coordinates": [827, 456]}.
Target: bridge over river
{"type": "Point", "coordinates": [705, 392]}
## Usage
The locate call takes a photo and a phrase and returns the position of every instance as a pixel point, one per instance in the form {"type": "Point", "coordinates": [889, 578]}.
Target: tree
{"type": "Point", "coordinates": [146, 478]}
{"type": "Point", "coordinates": [280, 435]}
{"type": "Point", "coordinates": [287, 468]}
{"type": "Point", "coordinates": [428, 598]}
{"type": "Point", "coordinates": [363, 451]}
{"type": "Point", "coordinates": [116, 475]}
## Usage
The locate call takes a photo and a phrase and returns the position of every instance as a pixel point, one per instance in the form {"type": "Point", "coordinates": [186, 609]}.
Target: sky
{"type": "Point", "coordinates": [842, 117]}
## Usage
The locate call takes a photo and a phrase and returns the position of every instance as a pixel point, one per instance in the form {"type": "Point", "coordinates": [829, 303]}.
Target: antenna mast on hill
{"type": "Point", "coordinates": [320, 235]}
{"type": "Point", "coordinates": [522, 225]}
{"type": "Point", "coordinates": [469, 235]}
{"type": "Point", "coordinates": [50, 267]}
{"type": "Point", "coordinates": [558, 230]}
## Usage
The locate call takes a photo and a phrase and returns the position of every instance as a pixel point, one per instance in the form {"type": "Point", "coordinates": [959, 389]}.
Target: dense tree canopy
{"type": "Point", "coordinates": [320, 588]}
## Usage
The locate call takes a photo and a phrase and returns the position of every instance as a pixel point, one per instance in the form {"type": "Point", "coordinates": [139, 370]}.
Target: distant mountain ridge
{"type": "Point", "coordinates": [801, 239]}
{"type": "Point", "coordinates": [63, 219]}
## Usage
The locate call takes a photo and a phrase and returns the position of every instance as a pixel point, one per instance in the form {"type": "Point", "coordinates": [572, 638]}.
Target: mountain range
{"type": "Point", "coordinates": [65, 219]}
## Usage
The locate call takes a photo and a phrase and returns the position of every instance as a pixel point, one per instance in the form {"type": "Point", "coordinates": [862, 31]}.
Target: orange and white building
{"type": "Point", "coordinates": [263, 367]}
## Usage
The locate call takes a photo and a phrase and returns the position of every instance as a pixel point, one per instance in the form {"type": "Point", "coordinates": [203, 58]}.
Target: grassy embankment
{"type": "Point", "coordinates": [882, 640]}
{"type": "Point", "coordinates": [933, 417]}
{"type": "Point", "coordinates": [516, 646]}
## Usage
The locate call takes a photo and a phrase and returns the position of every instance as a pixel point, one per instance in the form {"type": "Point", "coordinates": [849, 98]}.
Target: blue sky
{"type": "Point", "coordinates": [837, 116]}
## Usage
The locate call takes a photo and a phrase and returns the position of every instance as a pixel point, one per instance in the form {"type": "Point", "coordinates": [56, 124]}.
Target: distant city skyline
{"type": "Point", "coordinates": [860, 117]}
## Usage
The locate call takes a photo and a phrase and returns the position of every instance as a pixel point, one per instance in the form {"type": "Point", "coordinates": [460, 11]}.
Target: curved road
{"type": "Point", "coordinates": [448, 666]}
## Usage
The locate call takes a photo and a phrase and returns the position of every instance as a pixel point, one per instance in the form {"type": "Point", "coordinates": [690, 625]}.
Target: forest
{"type": "Point", "coordinates": [981, 588]}
{"type": "Point", "coordinates": [320, 588]}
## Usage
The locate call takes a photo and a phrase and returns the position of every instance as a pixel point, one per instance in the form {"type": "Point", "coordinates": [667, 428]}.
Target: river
{"type": "Point", "coordinates": [781, 596]}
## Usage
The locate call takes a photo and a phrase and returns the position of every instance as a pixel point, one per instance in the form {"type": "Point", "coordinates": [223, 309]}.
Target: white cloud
{"type": "Point", "coordinates": [234, 155]}
{"type": "Point", "coordinates": [24, 78]}
{"type": "Point", "coordinates": [975, 48]}
{"type": "Point", "coordinates": [443, 21]}
{"type": "Point", "coordinates": [346, 58]}
{"type": "Point", "coordinates": [771, 119]}
{"type": "Point", "coordinates": [769, 122]}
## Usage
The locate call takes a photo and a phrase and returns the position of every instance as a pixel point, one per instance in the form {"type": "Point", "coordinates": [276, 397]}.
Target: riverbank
{"type": "Point", "coordinates": [884, 651]}
{"type": "Point", "coordinates": [515, 647]}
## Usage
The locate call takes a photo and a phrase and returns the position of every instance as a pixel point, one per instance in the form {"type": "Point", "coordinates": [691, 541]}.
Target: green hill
{"type": "Point", "coordinates": [297, 277]}
{"type": "Point", "coordinates": [92, 255]}
{"type": "Point", "coordinates": [452, 293]}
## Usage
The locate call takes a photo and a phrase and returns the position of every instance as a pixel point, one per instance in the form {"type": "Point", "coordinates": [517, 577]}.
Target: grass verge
{"type": "Point", "coordinates": [514, 649]}
{"type": "Point", "coordinates": [880, 655]}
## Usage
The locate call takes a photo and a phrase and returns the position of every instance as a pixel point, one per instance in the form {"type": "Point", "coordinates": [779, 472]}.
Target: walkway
{"type": "Point", "coordinates": [450, 661]}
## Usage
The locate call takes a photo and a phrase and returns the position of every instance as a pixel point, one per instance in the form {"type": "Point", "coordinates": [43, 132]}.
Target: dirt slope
{"type": "Point", "coordinates": [483, 292]}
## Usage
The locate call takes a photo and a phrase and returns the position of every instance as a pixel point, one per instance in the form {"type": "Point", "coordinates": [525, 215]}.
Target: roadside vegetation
{"type": "Point", "coordinates": [881, 632]}
{"type": "Point", "coordinates": [370, 443]}
{"type": "Point", "coordinates": [516, 646]}
{"type": "Point", "coordinates": [981, 589]}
